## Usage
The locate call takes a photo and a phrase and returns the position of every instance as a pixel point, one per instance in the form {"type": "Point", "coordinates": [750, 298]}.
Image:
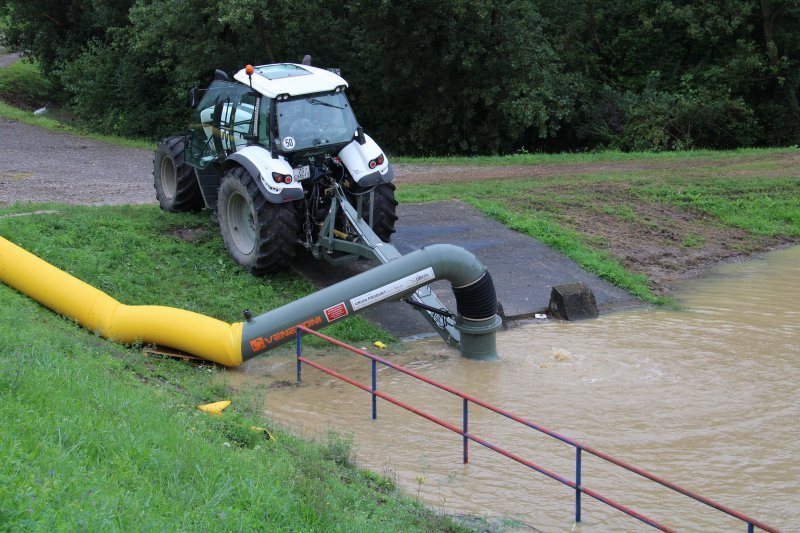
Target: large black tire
{"type": "Point", "coordinates": [384, 214]}
{"type": "Point", "coordinates": [259, 235]}
{"type": "Point", "coordinates": [175, 181]}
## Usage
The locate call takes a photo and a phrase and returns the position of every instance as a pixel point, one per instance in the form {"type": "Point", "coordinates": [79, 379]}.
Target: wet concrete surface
{"type": "Point", "coordinates": [523, 269]}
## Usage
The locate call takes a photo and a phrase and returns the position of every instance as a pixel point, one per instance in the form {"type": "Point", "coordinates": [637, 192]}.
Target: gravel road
{"type": "Point", "coordinates": [37, 165]}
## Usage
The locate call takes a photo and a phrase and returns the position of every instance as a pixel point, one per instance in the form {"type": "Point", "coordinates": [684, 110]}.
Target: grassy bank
{"type": "Point", "coordinates": [22, 84]}
{"type": "Point", "coordinates": [572, 158]}
{"type": "Point", "coordinates": [655, 215]}
{"type": "Point", "coordinates": [97, 437]}
{"type": "Point", "coordinates": [141, 255]}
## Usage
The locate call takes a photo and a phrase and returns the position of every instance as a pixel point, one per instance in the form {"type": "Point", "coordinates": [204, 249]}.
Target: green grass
{"type": "Point", "coordinates": [763, 206]}
{"type": "Point", "coordinates": [758, 192]}
{"type": "Point", "coordinates": [27, 117]}
{"type": "Point", "coordinates": [97, 437]}
{"type": "Point", "coordinates": [22, 83]}
{"type": "Point", "coordinates": [23, 86]}
{"type": "Point", "coordinates": [567, 158]}
{"type": "Point", "coordinates": [135, 254]}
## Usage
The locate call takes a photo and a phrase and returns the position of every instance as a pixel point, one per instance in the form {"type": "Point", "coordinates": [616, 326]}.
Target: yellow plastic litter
{"type": "Point", "coordinates": [380, 345]}
{"type": "Point", "coordinates": [215, 408]}
{"type": "Point", "coordinates": [266, 433]}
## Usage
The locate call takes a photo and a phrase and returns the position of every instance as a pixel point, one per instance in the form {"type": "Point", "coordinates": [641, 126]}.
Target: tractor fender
{"type": "Point", "coordinates": [260, 164]}
{"type": "Point", "coordinates": [356, 157]}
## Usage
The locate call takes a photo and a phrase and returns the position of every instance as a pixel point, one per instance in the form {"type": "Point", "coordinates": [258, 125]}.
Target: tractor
{"type": "Point", "coordinates": [275, 154]}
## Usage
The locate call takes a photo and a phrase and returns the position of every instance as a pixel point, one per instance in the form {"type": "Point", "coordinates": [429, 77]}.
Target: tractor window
{"type": "Point", "coordinates": [315, 120]}
{"type": "Point", "coordinates": [221, 121]}
{"type": "Point", "coordinates": [242, 119]}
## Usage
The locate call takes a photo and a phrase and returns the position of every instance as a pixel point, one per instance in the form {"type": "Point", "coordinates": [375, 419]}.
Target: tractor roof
{"type": "Point", "coordinates": [290, 79]}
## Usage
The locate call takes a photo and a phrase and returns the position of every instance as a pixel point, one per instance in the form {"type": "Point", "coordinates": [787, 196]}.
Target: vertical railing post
{"type": "Point", "coordinates": [466, 427]}
{"type": "Point", "coordinates": [577, 485]}
{"type": "Point", "coordinates": [750, 527]}
{"type": "Point", "coordinates": [299, 351]}
{"type": "Point", "coordinates": [374, 388]}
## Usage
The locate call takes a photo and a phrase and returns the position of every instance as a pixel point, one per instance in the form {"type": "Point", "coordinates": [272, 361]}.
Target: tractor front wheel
{"type": "Point", "coordinates": [259, 235]}
{"type": "Point", "coordinates": [175, 182]}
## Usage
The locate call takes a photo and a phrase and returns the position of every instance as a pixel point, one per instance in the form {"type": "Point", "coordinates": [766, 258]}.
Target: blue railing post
{"type": "Point", "coordinates": [466, 427]}
{"type": "Point", "coordinates": [299, 351]}
{"type": "Point", "coordinates": [749, 528]}
{"type": "Point", "coordinates": [577, 485]}
{"type": "Point", "coordinates": [374, 388]}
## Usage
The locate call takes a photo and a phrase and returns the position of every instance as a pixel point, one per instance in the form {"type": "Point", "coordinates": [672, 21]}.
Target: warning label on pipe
{"type": "Point", "coordinates": [396, 287]}
{"type": "Point", "coordinates": [336, 312]}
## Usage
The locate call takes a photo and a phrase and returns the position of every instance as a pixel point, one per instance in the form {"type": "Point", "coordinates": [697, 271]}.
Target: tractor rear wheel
{"type": "Point", "coordinates": [259, 235]}
{"type": "Point", "coordinates": [175, 182]}
{"type": "Point", "coordinates": [384, 213]}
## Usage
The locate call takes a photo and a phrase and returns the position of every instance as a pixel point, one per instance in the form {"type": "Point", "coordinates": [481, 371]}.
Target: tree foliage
{"type": "Point", "coordinates": [435, 77]}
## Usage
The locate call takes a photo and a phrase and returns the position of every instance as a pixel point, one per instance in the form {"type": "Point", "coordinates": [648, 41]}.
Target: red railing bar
{"type": "Point", "coordinates": [385, 396]}
{"type": "Point", "coordinates": [532, 425]}
{"type": "Point", "coordinates": [487, 444]}
{"type": "Point", "coordinates": [678, 488]}
{"type": "Point", "coordinates": [571, 484]}
{"type": "Point", "coordinates": [442, 386]}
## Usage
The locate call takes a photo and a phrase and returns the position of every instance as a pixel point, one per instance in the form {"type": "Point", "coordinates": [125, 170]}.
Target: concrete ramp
{"type": "Point", "coordinates": [523, 269]}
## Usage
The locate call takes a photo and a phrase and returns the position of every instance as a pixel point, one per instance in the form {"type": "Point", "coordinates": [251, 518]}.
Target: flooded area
{"type": "Point", "coordinates": [706, 397]}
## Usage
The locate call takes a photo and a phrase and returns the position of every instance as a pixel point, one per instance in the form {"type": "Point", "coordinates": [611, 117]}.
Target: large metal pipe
{"type": "Point", "coordinates": [477, 320]}
{"type": "Point", "coordinates": [230, 344]}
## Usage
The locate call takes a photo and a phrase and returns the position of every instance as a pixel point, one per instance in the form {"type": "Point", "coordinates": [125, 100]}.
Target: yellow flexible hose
{"type": "Point", "coordinates": [197, 334]}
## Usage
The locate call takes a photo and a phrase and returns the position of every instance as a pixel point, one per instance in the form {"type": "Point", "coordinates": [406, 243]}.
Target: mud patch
{"type": "Point", "coordinates": [14, 175]}
{"type": "Point", "coordinates": [414, 173]}
{"type": "Point", "coordinates": [196, 234]}
{"type": "Point", "coordinates": [664, 242]}
{"type": "Point", "coordinates": [281, 384]}
{"type": "Point", "coordinates": [31, 213]}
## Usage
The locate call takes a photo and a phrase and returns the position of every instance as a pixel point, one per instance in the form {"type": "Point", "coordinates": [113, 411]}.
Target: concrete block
{"type": "Point", "coordinates": [573, 301]}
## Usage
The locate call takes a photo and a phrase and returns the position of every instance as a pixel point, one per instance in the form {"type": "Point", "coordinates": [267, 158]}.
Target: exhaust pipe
{"type": "Point", "coordinates": [230, 344]}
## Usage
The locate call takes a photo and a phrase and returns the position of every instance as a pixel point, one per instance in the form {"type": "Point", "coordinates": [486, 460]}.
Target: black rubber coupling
{"type": "Point", "coordinates": [478, 300]}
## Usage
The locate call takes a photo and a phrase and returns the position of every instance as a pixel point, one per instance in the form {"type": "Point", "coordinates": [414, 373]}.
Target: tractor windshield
{"type": "Point", "coordinates": [315, 120]}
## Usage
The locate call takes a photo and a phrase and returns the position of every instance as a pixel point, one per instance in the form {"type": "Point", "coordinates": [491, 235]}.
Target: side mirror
{"type": "Point", "coordinates": [360, 136]}
{"type": "Point", "coordinates": [194, 97]}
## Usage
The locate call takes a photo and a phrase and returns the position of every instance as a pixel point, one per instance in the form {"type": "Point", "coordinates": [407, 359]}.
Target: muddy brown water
{"type": "Point", "coordinates": [706, 397]}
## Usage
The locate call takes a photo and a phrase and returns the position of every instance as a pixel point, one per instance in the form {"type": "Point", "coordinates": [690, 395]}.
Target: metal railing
{"type": "Point", "coordinates": [467, 436]}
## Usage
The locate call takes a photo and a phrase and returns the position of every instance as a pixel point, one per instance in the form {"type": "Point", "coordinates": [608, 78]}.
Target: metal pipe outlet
{"type": "Point", "coordinates": [477, 319]}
